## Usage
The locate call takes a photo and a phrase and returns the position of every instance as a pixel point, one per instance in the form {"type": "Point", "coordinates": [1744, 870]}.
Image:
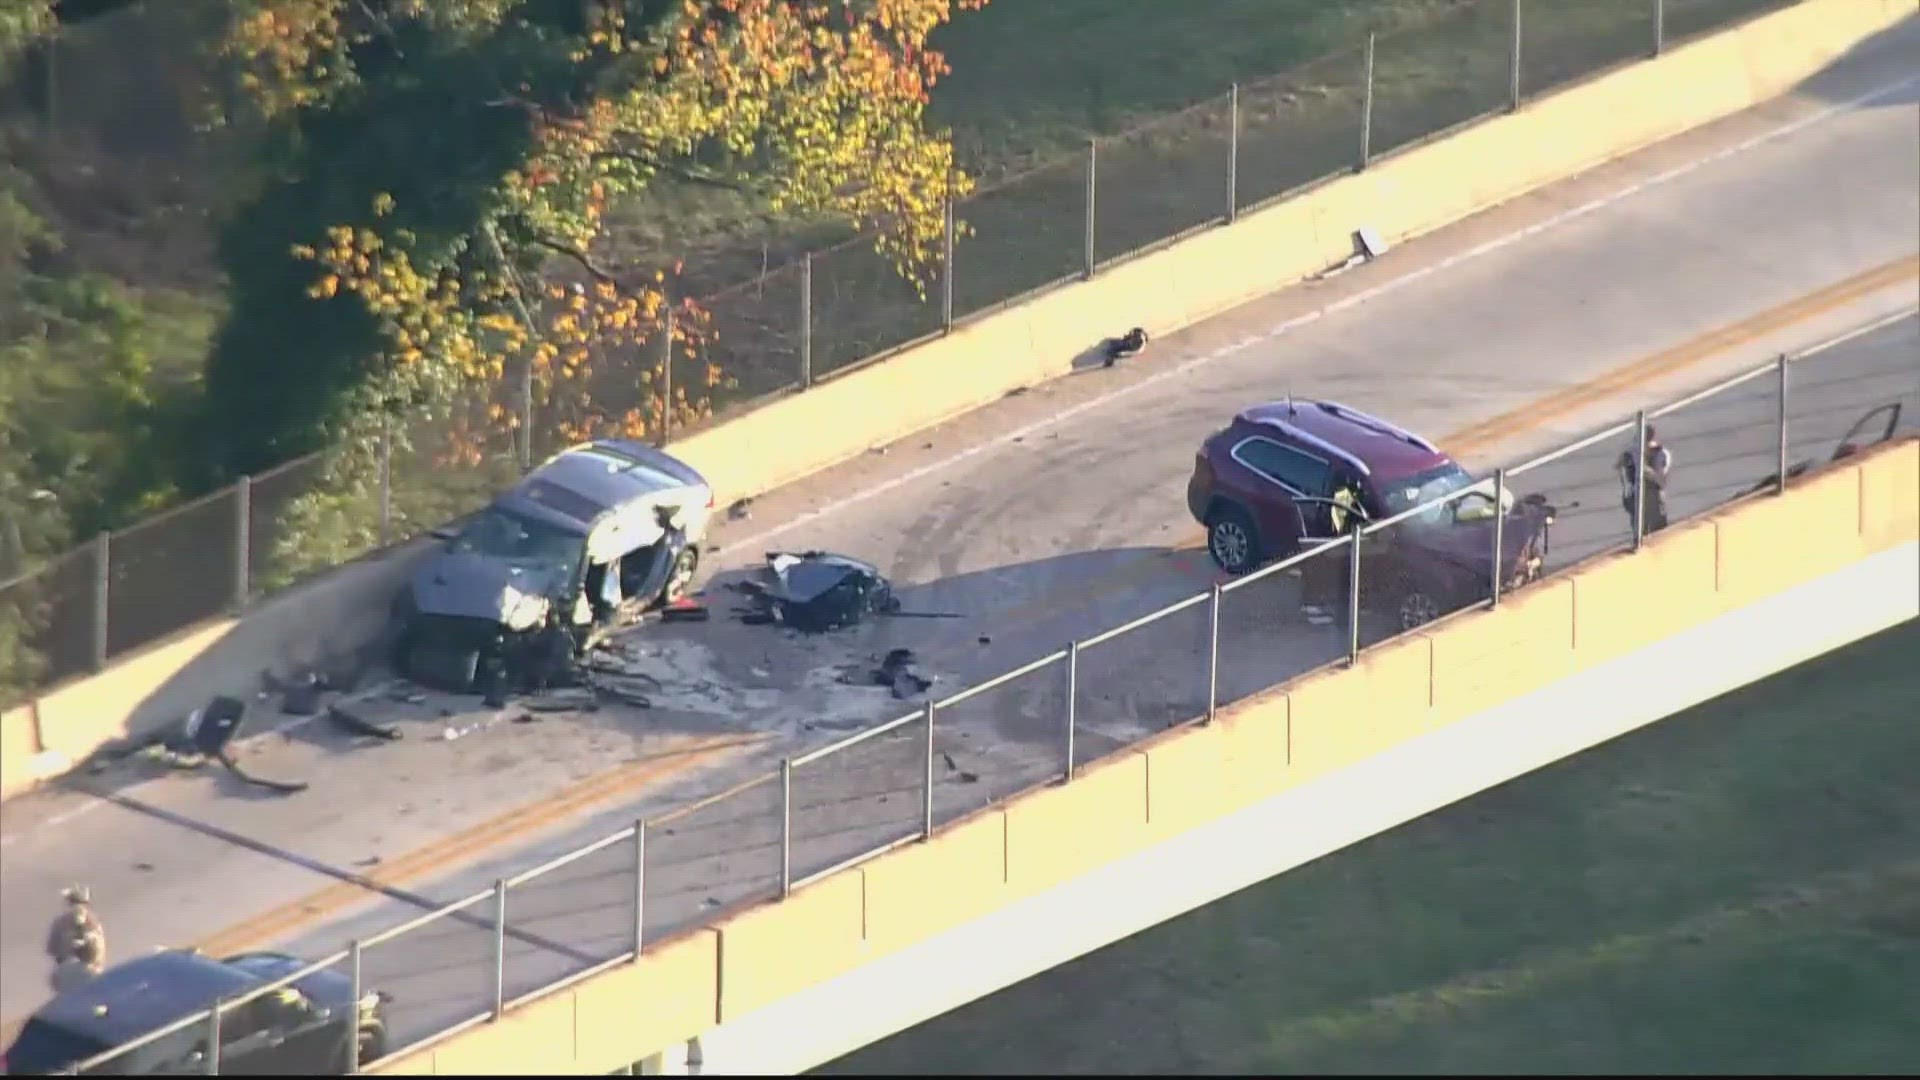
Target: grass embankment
{"type": "Point", "coordinates": [1736, 889]}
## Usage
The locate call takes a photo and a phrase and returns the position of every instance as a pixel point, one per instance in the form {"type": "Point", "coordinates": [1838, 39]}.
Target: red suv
{"type": "Point", "coordinates": [1281, 477]}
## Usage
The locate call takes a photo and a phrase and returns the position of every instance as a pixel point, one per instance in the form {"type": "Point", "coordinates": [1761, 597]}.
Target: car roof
{"type": "Point", "coordinates": [141, 995]}
{"type": "Point", "coordinates": [571, 489]}
{"type": "Point", "coordinates": [1379, 449]}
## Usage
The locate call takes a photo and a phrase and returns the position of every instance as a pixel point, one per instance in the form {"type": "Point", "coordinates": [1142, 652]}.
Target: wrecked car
{"type": "Point", "coordinates": [595, 537]}
{"type": "Point", "coordinates": [1286, 475]}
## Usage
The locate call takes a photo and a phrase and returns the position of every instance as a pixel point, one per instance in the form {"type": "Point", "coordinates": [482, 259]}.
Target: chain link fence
{"type": "Point", "coordinates": [1445, 552]}
{"type": "Point", "coordinates": [820, 316]}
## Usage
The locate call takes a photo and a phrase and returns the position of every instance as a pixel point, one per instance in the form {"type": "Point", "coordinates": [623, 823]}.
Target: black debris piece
{"type": "Point", "coordinates": [817, 591]}
{"type": "Point", "coordinates": [209, 734]}
{"type": "Point", "coordinates": [740, 509]}
{"type": "Point", "coordinates": [896, 672]}
{"type": "Point", "coordinates": [1127, 344]}
{"type": "Point", "coordinates": [353, 724]}
{"type": "Point", "coordinates": [211, 728]}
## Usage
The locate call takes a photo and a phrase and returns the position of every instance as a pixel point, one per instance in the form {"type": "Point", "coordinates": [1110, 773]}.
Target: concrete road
{"type": "Point", "coordinates": [1063, 517]}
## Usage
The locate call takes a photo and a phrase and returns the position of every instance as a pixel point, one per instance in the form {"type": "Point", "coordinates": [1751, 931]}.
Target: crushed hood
{"type": "Point", "coordinates": [465, 585]}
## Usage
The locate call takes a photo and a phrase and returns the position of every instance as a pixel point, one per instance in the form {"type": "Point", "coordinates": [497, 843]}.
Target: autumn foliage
{"type": "Point", "coordinates": [433, 223]}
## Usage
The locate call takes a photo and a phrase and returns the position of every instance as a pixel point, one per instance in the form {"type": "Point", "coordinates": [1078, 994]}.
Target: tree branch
{"type": "Point", "coordinates": [676, 172]}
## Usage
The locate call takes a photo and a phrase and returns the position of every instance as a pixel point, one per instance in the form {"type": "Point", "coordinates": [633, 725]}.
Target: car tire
{"type": "Point", "coordinates": [1232, 540]}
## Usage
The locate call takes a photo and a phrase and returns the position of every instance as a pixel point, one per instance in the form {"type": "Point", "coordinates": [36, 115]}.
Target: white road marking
{"type": "Point", "coordinates": [1382, 289]}
{"type": "Point", "coordinates": [1374, 293]}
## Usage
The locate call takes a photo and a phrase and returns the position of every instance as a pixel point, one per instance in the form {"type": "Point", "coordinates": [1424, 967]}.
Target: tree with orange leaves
{"type": "Point", "coordinates": [436, 177]}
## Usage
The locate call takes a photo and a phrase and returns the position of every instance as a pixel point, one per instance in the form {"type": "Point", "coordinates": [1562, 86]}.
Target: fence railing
{"type": "Point", "coordinates": [893, 784]}
{"type": "Point", "coordinates": [831, 310]}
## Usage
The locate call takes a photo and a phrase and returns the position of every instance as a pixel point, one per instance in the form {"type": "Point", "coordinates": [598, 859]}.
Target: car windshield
{"type": "Point", "coordinates": [521, 541]}
{"type": "Point", "coordinates": [1406, 493]}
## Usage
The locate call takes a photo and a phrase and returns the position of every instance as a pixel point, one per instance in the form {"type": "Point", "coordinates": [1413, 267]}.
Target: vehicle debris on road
{"type": "Point", "coordinates": [207, 735]}
{"type": "Point", "coordinates": [815, 591]}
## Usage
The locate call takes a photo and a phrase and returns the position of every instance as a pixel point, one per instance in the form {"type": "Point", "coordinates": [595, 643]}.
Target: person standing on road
{"type": "Point", "coordinates": [1659, 466]}
{"type": "Point", "coordinates": [76, 943]}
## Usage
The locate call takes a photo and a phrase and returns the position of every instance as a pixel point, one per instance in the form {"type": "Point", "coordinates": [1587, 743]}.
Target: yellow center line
{"type": "Point", "coordinates": [612, 784]}
{"type": "Point", "coordinates": [624, 780]}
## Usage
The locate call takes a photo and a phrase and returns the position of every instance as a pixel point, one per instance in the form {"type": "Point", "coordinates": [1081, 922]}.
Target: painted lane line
{"type": "Point", "coordinates": [1793, 127]}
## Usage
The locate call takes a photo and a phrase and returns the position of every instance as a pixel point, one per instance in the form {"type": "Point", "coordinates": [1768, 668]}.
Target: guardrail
{"type": "Point", "coordinates": [832, 311]}
{"type": "Point", "coordinates": [1742, 436]}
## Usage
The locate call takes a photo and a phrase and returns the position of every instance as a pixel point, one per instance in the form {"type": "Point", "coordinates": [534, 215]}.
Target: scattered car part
{"type": "Point", "coordinates": [355, 725]}
{"type": "Point", "coordinates": [1124, 346]}
{"type": "Point", "coordinates": [817, 591]}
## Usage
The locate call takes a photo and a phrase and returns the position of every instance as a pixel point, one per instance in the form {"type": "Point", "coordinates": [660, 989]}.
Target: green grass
{"type": "Point", "coordinates": [1736, 889]}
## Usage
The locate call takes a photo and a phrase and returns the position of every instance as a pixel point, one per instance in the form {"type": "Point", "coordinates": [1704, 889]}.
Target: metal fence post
{"type": "Point", "coordinates": [1093, 171]}
{"type": "Point", "coordinates": [1073, 695]}
{"type": "Point", "coordinates": [1513, 62]}
{"type": "Point", "coordinates": [213, 1037]}
{"type": "Point", "coordinates": [1659, 26]}
{"type": "Point", "coordinates": [386, 479]}
{"type": "Point", "coordinates": [359, 991]}
{"type": "Point", "coordinates": [806, 321]}
{"type": "Point", "coordinates": [1213, 652]}
{"type": "Point", "coordinates": [102, 580]}
{"type": "Point", "coordinates": [1780, 487]}
{"type": "Point", "coordinates": [786, 827]}
{"type": "Point", "coordinates": [1499, 531]}
{"type": "Point", "coordinates": [639, 887]}
{"type": "Point", "coordinates": [946, 260]}
{"type": "Point", "coordinates": [1639, 477]}
{"type": "Point", "coordinates": [1353, 599]}
{"type": "Point", "coordinates": [499, 947]}
{"type": "Point", "coordinates": [242, 536]}
{"type": "Point", "coordinates": [666, 377]}
{"type": "Point", "coordinates": [1366, 109]}
{"type": "Point", "coordinates": [926, 832]}
{"type": "Point", "coordinates": [1233, 154]}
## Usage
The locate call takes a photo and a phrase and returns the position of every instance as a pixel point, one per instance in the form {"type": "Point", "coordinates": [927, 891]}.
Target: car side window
{"type": "Point", "coordinates": [1299, 472]}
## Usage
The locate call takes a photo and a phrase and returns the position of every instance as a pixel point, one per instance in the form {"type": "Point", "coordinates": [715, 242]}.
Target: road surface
{"type": "Point", "coordinates": [1066, 518]}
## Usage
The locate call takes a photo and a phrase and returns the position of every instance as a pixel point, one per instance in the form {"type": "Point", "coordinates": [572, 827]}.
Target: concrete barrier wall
{"type": "Point", "coordinates": [1405, 194]}
{"type": "Point", "coordinates": [325, 622]}
{"type": "Point", "coordinates": [1419, 686]}
{"type": "Point", "coordinates": [1415, 191]}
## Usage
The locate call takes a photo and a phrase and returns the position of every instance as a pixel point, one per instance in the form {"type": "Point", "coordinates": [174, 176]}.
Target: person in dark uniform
{"type": "Point", "coordinates": [1659, 467]}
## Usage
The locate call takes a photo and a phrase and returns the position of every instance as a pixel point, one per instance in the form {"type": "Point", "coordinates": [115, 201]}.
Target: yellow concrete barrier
{"type": "Point", "coordinates": [525, 1042]}
{"type": "Point", "coordinates": [19, 746]}
{"type": "Point", "coordinates": [1200, 773]}
{"type": "Point", "coordinates": [1477, 661]}
{"type": "Point", "coordinates": [1402, 195]}
{"type": "Point", "coordinates": [1187, 779]}
{"type": "Point", "coordinates": [772, 951]}
{"type": "Point", "coordinates": [1775, 539]}
{"type": "Point", "coordinates": [1611, 616]}
{"type": "Point", "coordinates": [957, 876]}
{"type": "Point", "coordinates": [671, 995]}
{"type": "Point", "coordinates": [83, 716]}
{"type": "Point", "coordinates": [1890, 497]}
{"type": "Point", "coordinates": [1256, 749]}
{"type": "Point", "coordinates": [1101, 815]}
